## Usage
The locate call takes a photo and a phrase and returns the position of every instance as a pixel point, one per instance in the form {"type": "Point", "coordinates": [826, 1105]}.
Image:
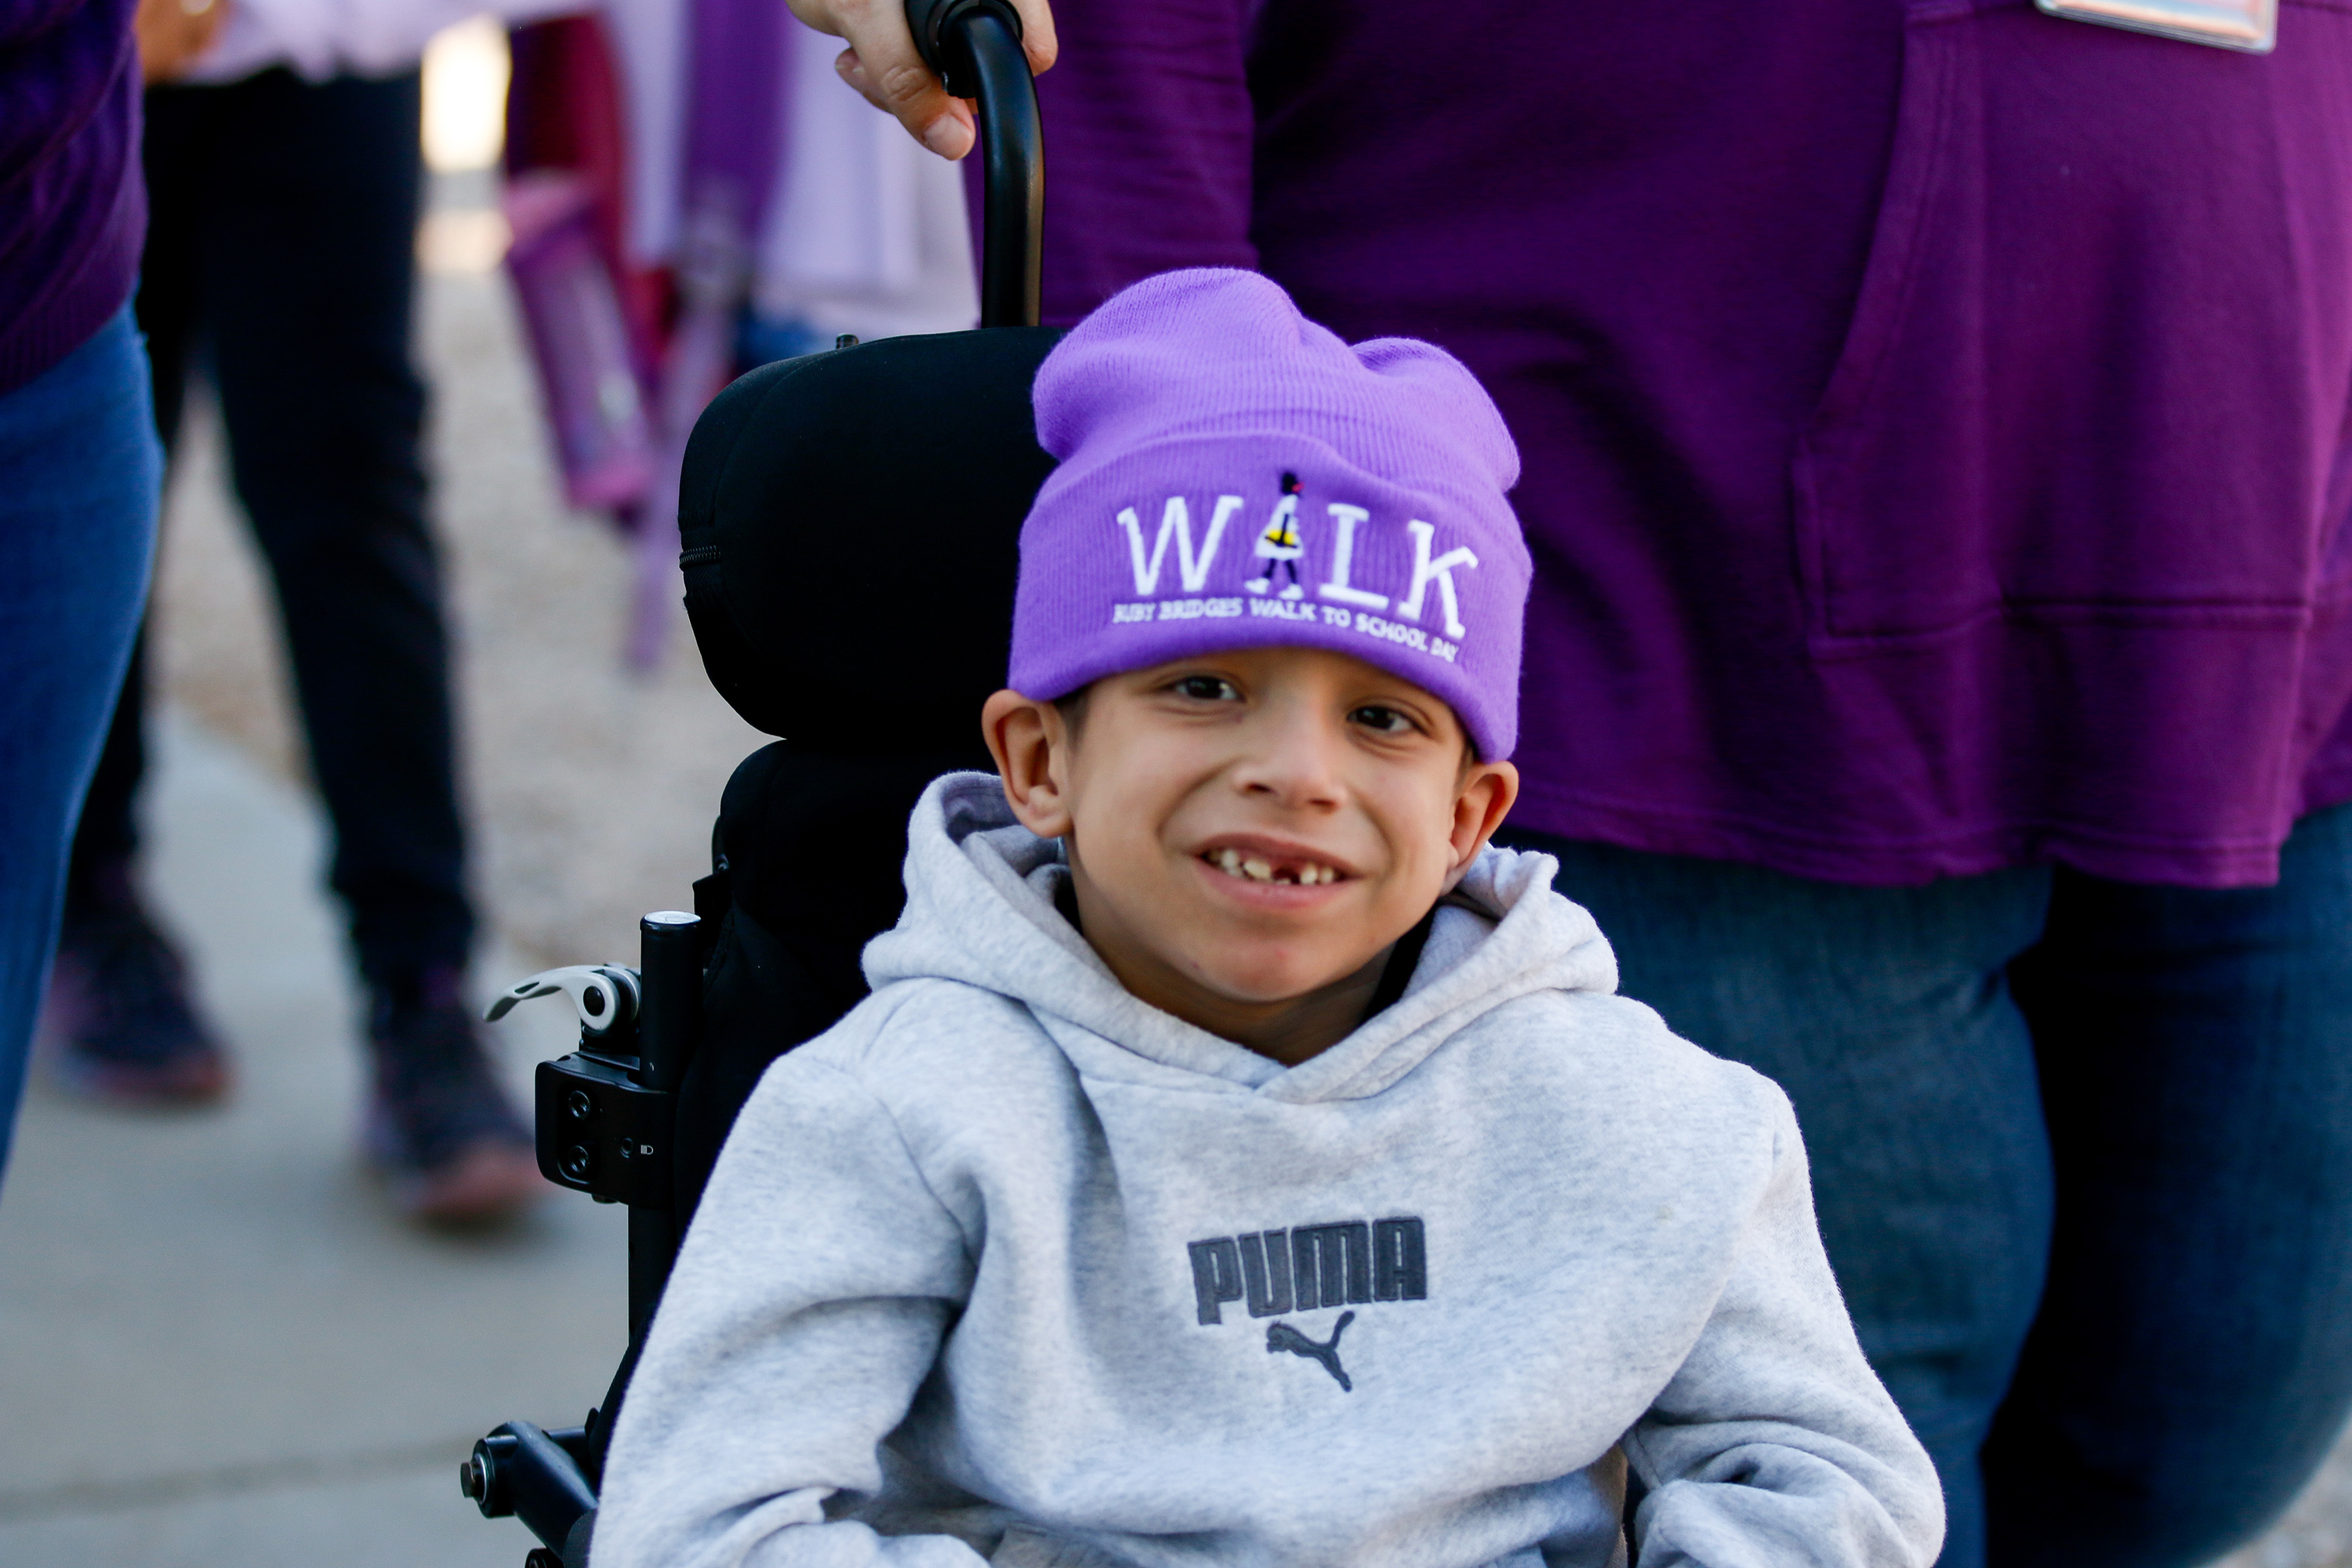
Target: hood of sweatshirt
{"type": "Point", "coordinates": [1011, 1270]}
{"type": "Point", "coordinates": [981, 909]}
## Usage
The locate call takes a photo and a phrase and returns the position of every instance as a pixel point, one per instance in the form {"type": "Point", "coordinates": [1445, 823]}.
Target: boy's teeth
{"type": "Point", "coordinates": [1234, 863]}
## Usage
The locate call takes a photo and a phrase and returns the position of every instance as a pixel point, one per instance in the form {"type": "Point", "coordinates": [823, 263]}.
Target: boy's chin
{"type": "Point", "coordinates": [1249, 982]}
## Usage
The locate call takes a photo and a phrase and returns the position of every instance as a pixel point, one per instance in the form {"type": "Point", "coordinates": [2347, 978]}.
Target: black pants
{"type": "Point", "coordinates": [281, 258]}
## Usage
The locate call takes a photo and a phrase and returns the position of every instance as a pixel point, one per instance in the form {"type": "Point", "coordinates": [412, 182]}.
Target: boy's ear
{"type": "Point", "coordinates": [1484, 799]}
{"type": "Point", "coordinates": [1031, 743]}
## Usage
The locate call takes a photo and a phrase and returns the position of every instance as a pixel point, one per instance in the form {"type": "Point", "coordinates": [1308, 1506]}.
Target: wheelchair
{"type": "Point", "coordinates": [848, 528]}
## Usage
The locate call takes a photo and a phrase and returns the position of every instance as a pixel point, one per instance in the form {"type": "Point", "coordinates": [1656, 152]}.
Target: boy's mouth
{"type": "Point", "coordinates": [1252, 866]}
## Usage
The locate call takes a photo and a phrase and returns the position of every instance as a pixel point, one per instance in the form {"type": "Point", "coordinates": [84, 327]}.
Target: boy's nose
{"type": "Point", "coordinates": [1295, 766]}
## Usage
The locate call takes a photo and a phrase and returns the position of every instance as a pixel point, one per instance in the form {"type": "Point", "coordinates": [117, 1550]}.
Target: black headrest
{"type": "Point", "coordinates": [849, 526]}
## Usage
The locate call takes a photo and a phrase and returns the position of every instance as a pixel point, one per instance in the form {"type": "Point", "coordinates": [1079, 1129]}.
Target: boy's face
{"type": "Point", "coordinates": [1250, 832]}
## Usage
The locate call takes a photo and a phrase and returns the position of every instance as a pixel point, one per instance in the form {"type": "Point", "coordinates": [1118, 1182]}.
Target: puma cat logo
{"type": "Point", "coordinates": [1280, 1337]}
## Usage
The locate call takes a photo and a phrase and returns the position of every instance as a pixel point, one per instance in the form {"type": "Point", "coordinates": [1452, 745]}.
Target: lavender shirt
{"type": "Point", "coordinates": [73, 210]}
{"type": "Point", "coordinates": [1933, 413]}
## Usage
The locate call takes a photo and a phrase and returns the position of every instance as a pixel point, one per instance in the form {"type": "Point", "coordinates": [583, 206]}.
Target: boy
{"type": "Point", "coordinates": [1237, 1160]}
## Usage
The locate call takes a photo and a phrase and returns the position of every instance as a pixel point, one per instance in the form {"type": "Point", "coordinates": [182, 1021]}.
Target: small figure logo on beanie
{"type": "Point", "coordinates": [1279, 545]}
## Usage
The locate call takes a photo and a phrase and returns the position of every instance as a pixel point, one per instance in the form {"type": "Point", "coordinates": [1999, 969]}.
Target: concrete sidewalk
{"type": "Point", "coordinates": [218, 1345]}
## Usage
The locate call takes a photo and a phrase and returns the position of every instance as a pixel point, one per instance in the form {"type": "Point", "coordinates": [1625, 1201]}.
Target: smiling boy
{"type": "Point", "coordinates": [1249, 833]}
{"type": "Point", "coordinates": [1239, 1161]}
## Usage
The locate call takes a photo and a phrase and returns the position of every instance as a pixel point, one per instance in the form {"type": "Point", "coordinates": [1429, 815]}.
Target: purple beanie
{"type": "Point", "coordinates": [1233, 475]}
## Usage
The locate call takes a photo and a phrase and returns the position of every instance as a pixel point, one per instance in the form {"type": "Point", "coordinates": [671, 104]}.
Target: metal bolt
{"type": "Point", "coordinates": [580, 1105]}
{"type": "Point", "coordinates": [847, 341]}
{"type": "Point", "coordinates": [578, 1161]}
{"type": "Point", "coordinates": [541, 1557]}
{"type": "Point", "coordinates": [469, 1479]}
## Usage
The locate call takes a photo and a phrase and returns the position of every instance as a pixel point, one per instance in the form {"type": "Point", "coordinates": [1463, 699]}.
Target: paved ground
{"type": "Point", "coordinates": [216, 1346]}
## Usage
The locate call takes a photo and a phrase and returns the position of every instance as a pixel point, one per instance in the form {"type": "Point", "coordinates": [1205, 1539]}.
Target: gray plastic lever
{"type": "Point", "coordinates": [602, 995]}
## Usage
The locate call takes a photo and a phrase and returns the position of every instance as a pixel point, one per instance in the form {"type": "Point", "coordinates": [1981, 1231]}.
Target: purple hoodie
{"type": "Point", "coordinates": [73, 211]}
{"type": "Point", "coordinates": [1933, 413]}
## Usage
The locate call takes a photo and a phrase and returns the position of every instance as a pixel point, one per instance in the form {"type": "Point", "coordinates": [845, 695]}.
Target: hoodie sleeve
{"type": "Point", "coordinates": [1775, 1443]}
{"type": "Point", "coordinates": [808, 1305]}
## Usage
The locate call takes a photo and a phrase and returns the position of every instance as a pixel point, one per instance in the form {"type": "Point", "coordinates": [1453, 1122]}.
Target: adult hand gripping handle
{"type": "Point", "coordinates": [975, 47]}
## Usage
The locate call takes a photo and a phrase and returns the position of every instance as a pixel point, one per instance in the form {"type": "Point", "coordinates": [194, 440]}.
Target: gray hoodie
{"type": "Point", "coordinates": [1009, 1265]}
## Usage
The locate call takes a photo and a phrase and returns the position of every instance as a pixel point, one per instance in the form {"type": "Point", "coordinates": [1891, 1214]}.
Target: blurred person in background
{"type": "Point", "coordinates": [1940, 666]}
{"type": "Point", "coordinates": [282, 150]}
{"type": "Point", "coordinates": [79, 464]}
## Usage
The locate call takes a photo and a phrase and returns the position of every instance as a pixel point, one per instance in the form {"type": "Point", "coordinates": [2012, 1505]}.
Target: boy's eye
{"type": "Point", "coordinates": [1207, 689]}
{"type": "Point", "coordinates": [1385, 720]}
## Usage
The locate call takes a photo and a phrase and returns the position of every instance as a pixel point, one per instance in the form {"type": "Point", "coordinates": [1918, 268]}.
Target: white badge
{"type": "Point", "coordinates": [2248, 25]}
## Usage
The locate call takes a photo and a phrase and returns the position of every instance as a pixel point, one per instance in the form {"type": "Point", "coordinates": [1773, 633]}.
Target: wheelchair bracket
{"type": "Point", "coordinates": [603, 1134]}
{"type": "Point", "coordinates": [522, 1472]}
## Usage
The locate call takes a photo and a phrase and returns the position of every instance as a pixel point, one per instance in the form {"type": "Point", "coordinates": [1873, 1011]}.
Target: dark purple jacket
{"type": "Point", "coordinates": [73, 211]}
{"type": "Point", "coordinates": [1933, 413]}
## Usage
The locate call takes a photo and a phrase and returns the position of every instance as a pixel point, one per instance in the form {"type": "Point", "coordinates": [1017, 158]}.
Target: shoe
{"type": "Point", "coordinates": [439, 1129]}
{"type": "Point", "coordinates": [117, 1026]}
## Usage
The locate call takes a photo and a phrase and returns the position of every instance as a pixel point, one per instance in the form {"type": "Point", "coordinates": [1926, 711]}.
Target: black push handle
{"type": "Point", "coordinates": [975, 45]}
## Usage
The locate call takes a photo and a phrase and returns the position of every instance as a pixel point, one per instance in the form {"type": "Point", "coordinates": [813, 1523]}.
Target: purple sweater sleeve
{"type": "Point", "coordinates": [23, 19]}
{"type": "Point", "coordinates": [58, 60]}
{"type": "Point", "coordinates": [1148, 146]}
{"type": "Point", "coordinates": [72, 209]}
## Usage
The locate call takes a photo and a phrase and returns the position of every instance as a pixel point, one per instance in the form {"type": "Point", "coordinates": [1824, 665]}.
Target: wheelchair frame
{"type": "Point", "coordinates": [607, 1115]}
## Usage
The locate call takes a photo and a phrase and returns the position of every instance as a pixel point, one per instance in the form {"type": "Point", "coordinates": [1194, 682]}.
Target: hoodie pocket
{"type": "Point", "coordinates": [2098, 364]}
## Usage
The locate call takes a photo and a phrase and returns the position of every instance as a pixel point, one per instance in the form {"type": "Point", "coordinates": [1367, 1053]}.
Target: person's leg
{"type": "Point", "coordinates": [2192, 1360]}
{"type": "Point", "coordinates": [1884, 1014]}
{"type": "Point", "coordinates": [120, 1021]}
{"type": "Point", "coordinates": [310, 272]}
{"type": "Point", "coordinates": [79, 474]}
{"type": "Point", "coordinates": [309, 275]}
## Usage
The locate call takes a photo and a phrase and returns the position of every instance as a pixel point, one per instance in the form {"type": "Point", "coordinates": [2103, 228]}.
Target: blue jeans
{"type": "Point", "coordinates": [2083, 1157]}
{"type": "Point", "coordinates": [79, 474]}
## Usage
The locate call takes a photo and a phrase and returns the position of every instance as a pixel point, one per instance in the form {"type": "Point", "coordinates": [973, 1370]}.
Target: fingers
{"type": "Point", "coordinates": [171, 34]}
{"type": "Point", "coordinates": [918, 101]}
{"type": "Point", "coordinates": [882, 64]}
{"type": "Point", "coordinates": [1037, 40]}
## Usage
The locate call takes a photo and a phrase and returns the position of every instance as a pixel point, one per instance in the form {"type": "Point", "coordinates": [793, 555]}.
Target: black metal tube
{"type": "Point", "coordinates": [1012, 142]}
{"type": "Point", "coordinates": [669, 1013]}
{"type": "Point", "coordinates": [652, 1248]}
{"type": "Point", "coordinates": [669, 1004]}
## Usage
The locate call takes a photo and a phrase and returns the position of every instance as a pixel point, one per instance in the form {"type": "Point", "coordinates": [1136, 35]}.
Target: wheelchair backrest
{"type": "Point", "coordinates": [849, 526]}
